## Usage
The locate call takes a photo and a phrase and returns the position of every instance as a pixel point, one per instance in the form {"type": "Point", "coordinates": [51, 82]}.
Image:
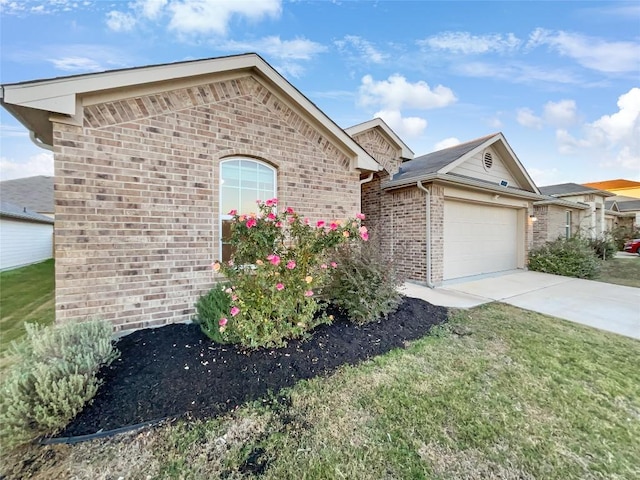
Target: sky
{"type": "Point", "coordinates": [561, 80]}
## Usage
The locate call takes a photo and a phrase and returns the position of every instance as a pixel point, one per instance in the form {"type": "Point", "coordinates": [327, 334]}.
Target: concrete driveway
{"type": "Point", "coordinates": [600, 305]}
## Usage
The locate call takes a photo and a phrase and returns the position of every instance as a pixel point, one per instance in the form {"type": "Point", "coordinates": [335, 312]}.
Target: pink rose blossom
{"type": "Point", "coordinates": [251, 223]}
{"type": "Point", "coordinates": [234, 311]}
{"type": "Point", "coordinates": [308, 293]}
{"type": "Point", "coordinates": [324, 266]}
{"type": "Point", "coordinates": [306, 221]}
{"type": "Point", "coordinates": [290, 210]}
{"type": "Point", "coordinates": [222, 322]}
{"type": "Point", "coordinates": [258, 202]}
{"type": "Point", "coordinates": [333, 226]}
{"type": "Point", "coordinates": [230, 263]}
{"type": "Point", "coordinates": [345, 234]}
{"type": "Point", "coordinates": [334, 265]}
{"type": "Point", "coordinates": [279, 287]}
{"type": "Point", "coordinates": [320, 224]}
{"type": "Point", "coordinates": [274, 259]}
{"type": "Point", "coordinates": [271, 216]}
{"type": "Point", "coordinates": [278, 224]}
{"type": "Point", "coordinates": [242, 218]}
{"type": "Point", "coordinates": [234, 298]}
{"type": "Point", "coordinates": [291, 219]}
{"type": "Point", "coordinates": [291, 264]}
{"type": "Point", "coordinates": [215, 266]}
{"type": "Point", "coordinates": [364, 236]}
{"type": "Point", "coordinates": [233, 212]}
{"type": "Point", "coordinates": [271, 202]}
{"type": "Point", "coordinates": [229, 291]}
{"type": "Point", "coordinates": [360, 216]}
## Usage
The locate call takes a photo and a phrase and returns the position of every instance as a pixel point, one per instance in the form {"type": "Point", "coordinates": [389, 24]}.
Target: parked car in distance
{"type": "Point", "coordinates": [632, 246]}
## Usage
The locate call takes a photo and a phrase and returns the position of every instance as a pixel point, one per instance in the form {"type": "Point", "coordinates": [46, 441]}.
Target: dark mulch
{"type": "Point", "coordinates": [176, 370]}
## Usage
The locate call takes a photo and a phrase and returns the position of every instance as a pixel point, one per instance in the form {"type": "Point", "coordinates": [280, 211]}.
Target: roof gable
{"type": "Point", "coordinates": [32, 103]}
{"type": "Point", "coordinates": [572, 189]}
{"type": "Point", "coordinates": [387, 132]}
{"type": "Point", "coordinates": [11, 210]}
{"type": "Point", "coordinates": [451, 162]}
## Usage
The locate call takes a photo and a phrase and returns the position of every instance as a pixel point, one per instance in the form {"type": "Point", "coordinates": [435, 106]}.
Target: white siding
{"type": "Point", "coordinates": [474, 168]}
{"type": "Point", "coordinates": [23, 243]}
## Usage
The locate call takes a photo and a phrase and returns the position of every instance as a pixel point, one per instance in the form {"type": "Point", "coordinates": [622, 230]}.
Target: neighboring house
{"type": "Point", "coordinates": [623, 211]}
{"type": "Point", "coordinates": [34, 193]}
{"type": "Point", "coordinates": [149, 161]}
{"type": "Point", "coordinates": [454, 213]}
{"type": "Point", "coordinates": [570, 209]}
{"type": "Point", "coordinates": [26, 237]}
{"type": "Point", "coordinates": [625, 188]}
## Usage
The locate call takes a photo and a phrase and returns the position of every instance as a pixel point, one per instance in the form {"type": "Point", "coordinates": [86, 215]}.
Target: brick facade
{"type": "Point", "coordinates": [137, 193]}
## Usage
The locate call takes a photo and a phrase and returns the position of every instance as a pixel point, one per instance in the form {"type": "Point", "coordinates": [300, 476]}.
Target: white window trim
{"type": "Point", "coordinates": [225, 215]}
{"type": "Point", "coordinates": [568, 218]}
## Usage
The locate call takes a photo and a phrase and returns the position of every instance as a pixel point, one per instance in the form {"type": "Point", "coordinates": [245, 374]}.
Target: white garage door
{"type": "Point", "coordinates": [479, 239]}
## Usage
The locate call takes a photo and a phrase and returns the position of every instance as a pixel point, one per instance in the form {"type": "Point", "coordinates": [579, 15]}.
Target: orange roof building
{"type": "Point", "coordinates": [626, 188]}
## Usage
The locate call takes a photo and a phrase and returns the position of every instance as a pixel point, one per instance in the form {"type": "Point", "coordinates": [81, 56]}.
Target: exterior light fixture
{"type": "Point", "coordinates": [533, 218]}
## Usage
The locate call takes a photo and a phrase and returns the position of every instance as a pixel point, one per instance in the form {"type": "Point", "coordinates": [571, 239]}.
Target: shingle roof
{"type": "Point", "coordinates": [11, 210]}
{"type": "Point", "coordinates": [436, 161]}
{"type": "Point", "coordinates": [566, 189]}
{"type": "Point", "coordinates": [628, 205]}
{"type": "Point", "coordinates": [34, 193]}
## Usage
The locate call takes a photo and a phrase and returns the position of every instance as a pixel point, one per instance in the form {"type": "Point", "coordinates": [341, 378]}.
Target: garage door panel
{"type": "Point", "coordinates": [479, 239]}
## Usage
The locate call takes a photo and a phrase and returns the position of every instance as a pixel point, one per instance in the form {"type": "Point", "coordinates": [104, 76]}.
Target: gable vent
{"type": "Point", "coordinates": [487, 160]}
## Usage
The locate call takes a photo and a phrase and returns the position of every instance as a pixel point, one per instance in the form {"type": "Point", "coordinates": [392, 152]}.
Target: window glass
{"type": "Point", "coordinates": [243, 181]}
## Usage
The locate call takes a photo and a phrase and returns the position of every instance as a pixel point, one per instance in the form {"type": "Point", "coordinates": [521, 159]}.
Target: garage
{"type": "Point", "coordinates": [479, 239]}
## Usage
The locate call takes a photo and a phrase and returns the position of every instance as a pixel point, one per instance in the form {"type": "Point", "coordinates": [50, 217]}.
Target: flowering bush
{"type": "Point", "coordinates": [277, 273]}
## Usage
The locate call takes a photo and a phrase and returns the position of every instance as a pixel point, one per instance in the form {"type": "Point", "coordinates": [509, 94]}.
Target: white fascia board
{"type": "Point", "coordinates": [59, 95]}
{"type": "Point", "coordinates": [406, 152]}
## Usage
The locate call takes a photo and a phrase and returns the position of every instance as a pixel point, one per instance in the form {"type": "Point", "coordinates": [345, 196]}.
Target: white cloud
{"type": "Point", "coordinates": [465, 43]}
{"type": "Point", "coordinates": [207, 17]}
{"type": "Point", "coordinates": [296, 49]}
{"type": "Point", "coordinates": [561, 114]}
{"type": "Point", "coordinates": [76, 64]}
{"type": "Point", "coordinates": [590, 52]}
{"type": "Point", "coordinates": [614, 139]}
{"type": "Point", "coordinates": [39, 164]}
{"type": "Point", "coordinates": [367, 53]}
{"type": "Point", "coordinates": [516, 72]}
{"type": "Point", "coordinates": [396, 93]}
{"type": "Point", "coordinates": [405, 127]}
{"type": "Point", "coordinates": [151, 9]}
{"type": "Point", "coordinates": [550, 176]}
{"type": "Point", "coordinates": [446, 143]}
{"type": "Point", "coordinates": [120, 21]}
{"type": "Point", "coordinates": [527, 118]}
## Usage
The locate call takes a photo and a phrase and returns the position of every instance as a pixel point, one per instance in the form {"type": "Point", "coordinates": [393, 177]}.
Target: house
{"type": "Point", "coordinates": [149, 161]}
{"type": "Point", "coordinates": [586, 217]}
{"type": "Point", "coordinates": [458, 212]}
{"type": "Point", "coordinates": [26, 236]}
{"type": "Point", "coordinates": [625, 188]}
{"type": "Point", "coordinates": [623, 212]}
{"type": "Point", "coordinates": [33, 193]}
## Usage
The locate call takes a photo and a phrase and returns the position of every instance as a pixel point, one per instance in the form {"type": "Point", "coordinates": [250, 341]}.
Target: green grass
{"type": "Point", "coordinates": [500, 392]}
{"type": "Point", "coordinates": [26, 295]}
{"type": "Point", "coordinates": [621, 271]}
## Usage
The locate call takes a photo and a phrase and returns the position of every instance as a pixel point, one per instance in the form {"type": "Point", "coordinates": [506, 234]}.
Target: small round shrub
{"type": "Point", "coordinates": [572, 257]}
{"type": "Point", "coordinates": [212, 311]}
{"type": "Point", "coordinates": [366, 285]}
{"type": "Point", "coordinates": [52, 377]}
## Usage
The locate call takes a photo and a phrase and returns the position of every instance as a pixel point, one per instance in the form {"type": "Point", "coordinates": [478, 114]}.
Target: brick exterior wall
{"type": "Point", "coordinates": [137, 196]}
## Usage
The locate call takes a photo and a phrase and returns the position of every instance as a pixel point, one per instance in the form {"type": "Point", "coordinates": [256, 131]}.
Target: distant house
{"type": "Point", "coordinates": [26, 236]}
{"type": "Point", "coordinates": [568, 209]}
{"type": "Point", "coordinates": [32, 193]}
{"type": "Point", "coordinates": [624, 211]}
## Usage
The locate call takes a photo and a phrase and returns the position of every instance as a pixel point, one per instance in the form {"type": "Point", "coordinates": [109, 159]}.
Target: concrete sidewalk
{"type": "Point", "coordinates": [613, 308]}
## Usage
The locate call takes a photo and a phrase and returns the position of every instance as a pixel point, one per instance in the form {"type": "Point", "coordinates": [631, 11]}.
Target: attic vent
{"type": "Point", "coordinates": [488, 160]}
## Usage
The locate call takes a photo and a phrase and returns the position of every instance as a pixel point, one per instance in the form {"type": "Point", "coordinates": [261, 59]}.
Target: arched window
{"type": "Point", "coordinates": [242, 182]}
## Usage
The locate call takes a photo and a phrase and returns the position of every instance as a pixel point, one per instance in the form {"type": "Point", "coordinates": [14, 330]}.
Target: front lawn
{"type": "Point", "coordinates": [26, 295]}
{"type": "Point", "coordinates": [500, 392]}
{"type": "Point", "coordinates": [621, 271]}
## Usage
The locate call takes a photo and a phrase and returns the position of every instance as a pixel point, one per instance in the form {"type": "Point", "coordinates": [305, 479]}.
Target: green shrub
{"type": "Point", "coordinates": [366, 285]}
{"type": "Point", "coordinates": [212, 309]}
{"type": "Point", "coordinates": [277, 273]}
{"type": "Point", "coordinates": [572, 258]}
{"type": "Point", "coordinates": [604, 248]}
{"type": "Point", "coordinates": [621, 235]}
{"type": "Point", "coordinates": [53, 376]}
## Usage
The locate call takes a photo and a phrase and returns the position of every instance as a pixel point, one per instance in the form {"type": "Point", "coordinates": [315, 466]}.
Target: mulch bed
{"type": "Point", "coordinates": [176, 370]}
